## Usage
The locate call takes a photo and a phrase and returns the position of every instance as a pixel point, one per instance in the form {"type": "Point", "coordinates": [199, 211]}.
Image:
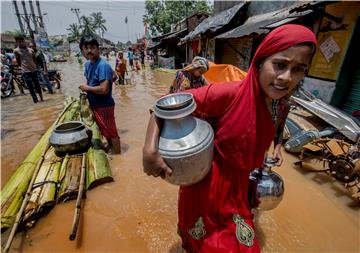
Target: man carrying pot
{"type": "Point", "coordinates": [99, 77]}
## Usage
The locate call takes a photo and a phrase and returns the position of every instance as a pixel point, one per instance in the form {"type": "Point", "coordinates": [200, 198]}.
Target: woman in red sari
{"type": "Point", "coordinates": [214, 214]}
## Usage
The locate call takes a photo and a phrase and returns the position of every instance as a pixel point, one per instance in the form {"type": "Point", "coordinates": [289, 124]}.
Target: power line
{"type": "Point", "coordinates": [97, 7]}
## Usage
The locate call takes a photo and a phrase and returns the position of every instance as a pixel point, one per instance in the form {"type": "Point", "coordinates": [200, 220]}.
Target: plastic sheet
{"type": "Point", "coordinates": [223, 72]}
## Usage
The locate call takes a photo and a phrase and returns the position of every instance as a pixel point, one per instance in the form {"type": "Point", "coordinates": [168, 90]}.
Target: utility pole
{"type": "Point", "coordinates": [127, 27]}
{"type": "Point", "coordinates": [33, 17]}
{"type": "Point", "coordinates": [18, 17]}
{"type": "Point", "coordinates": [187, 30]}
{"type": "Point", "coordinates": [40, 15]}
{"type": "Point", "coordinates": [76, 11]}
{"type": "Point", "coordinates": [28, 21]}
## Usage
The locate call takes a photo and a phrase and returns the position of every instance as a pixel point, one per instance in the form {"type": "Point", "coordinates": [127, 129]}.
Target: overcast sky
{"type": "Point", "coordinates": [59, 16]}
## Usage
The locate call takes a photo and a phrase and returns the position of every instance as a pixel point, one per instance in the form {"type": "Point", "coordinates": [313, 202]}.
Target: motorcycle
{"type": "Point", "coordinates": [54, 77]}
{"type": "Point", "coordinates": [7, 86]}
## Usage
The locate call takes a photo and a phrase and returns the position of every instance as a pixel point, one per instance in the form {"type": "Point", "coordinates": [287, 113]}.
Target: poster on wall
{"type": "Point", "coordinates": [319, 88]}
{"type": "Point", "coordinates": [333, 39]}
{"type": "Point", "coordinates": [41, 41]}
{"type": "Point", "coordinates": [329, 48]}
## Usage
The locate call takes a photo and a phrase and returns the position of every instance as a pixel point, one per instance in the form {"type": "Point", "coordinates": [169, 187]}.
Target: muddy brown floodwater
{"type": "Point", "coordinates": [137, 213]}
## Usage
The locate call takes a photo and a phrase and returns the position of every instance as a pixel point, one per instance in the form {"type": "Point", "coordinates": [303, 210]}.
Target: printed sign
{"type": "Point", "coordinates": [41, 41]}
{"type": "Point", "coordinates": [329, 48]}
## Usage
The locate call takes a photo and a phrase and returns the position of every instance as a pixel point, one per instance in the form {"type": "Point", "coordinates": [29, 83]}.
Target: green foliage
{"type": "Point", "coordinates": [160, 14]}
{"type": "Point", "coordinates": [74, 30]}
{"type": "Point", "coordinates": [14, 33]}
{"type": "Point", "coordinates": [93, 24]}
{"type": "Point", "coordinates": [99, 22]}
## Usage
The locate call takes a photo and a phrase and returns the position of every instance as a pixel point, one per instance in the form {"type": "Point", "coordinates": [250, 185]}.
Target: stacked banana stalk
{"type": "Point", "coordinates": [44, 179]}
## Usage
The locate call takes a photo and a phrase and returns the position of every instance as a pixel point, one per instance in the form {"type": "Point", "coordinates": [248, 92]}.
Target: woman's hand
{"type": "Point", "coordinates": [277, 154]}
{"type": "Point", "coordinates": [154, 164]}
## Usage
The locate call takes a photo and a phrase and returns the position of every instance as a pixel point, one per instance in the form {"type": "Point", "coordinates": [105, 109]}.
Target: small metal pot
{"type": "Point", "coordinates": [70, 138]}
{"type": "Point", "coordinates": [266, 188]}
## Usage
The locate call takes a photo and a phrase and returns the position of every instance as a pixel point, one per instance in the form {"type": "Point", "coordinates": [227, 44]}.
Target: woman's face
{"type": "Point", "coordinates": [280, 73]}
{"type": "Point", "coordinates": [198, 72]}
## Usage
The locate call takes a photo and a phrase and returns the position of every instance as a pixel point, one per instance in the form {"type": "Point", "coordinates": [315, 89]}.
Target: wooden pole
{"type": "Point", "coordinates": [26, 199]}
{"type": "Point", "coordinates": [28, 192]}
{"type": "Point", "coordinates": [78, 200]}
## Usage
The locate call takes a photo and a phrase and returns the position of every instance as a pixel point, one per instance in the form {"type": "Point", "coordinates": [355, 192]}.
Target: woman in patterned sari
{"type": "Point", "coordinates": [191, 76]}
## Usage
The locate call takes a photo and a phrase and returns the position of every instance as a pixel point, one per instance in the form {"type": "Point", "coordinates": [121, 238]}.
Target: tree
{"type": "Point", "coordinates": [14, 33]}
{"type": "Point", "coordinates": [88, 25]}
{"type": "Point", "coordinates": [160, 14]}
{"type": "Point", "coordinates": [74, 30]}
{"type": "Point", "coordinates": [99, 22]}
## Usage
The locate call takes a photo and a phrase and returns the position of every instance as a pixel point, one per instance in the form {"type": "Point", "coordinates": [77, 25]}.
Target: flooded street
{"type": "Point", "coordinates": [137, 213]}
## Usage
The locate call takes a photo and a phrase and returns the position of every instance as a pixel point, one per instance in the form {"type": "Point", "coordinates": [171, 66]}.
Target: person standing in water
{"type": "Point", "coordinates": [25, 58]}
{"type": "Point", "coordinates": [120, 67]}
{"type": "Point", "coordinates": [130, 56]}
{"type": "Point", "coordinates": [215, 214]}
{"type": "Point", "coordinates": [142, 57]}
{"type": "Point", "coordinates": [191, 76]}
{"type": "Point", "coordinates": [42, 70]}
{"type": "Point", "coordinates": [99, 77]}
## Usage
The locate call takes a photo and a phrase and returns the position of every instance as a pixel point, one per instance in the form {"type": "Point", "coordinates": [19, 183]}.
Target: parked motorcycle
{"type": "Point", "coordinates": [54, 77]}
{"type": "Point", "coordinates": [7, 86]}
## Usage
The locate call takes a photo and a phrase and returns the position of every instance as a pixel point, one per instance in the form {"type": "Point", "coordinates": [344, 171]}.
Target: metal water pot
{"type": "Point", "coordinates": [266, 188]}
{"type": "Point", "coordinates": [70, 138]}
{"type": "Point", "coordinates": [186, 143]}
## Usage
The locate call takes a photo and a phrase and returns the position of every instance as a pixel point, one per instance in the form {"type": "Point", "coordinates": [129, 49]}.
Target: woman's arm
{"type": "Point", "coordinates": [153, 163]}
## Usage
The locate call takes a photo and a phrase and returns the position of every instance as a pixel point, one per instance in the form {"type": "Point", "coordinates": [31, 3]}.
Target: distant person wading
{"type": "Point", "coordinates": [25, 57]}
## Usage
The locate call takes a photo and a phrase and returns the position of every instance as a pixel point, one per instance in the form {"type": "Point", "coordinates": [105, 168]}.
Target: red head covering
{"type": "Point", "coordinates": [248, 114]}
{"type": "Point", "coordinates": [276, 41]}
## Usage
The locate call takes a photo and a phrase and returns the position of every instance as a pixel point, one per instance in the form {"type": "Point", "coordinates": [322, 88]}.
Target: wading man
{"type": "Point", "coordinates": [42, 70]}
{"type": "Point", "coordinates": [25, 57]}
{"type": "Point", "coordinates": [99, 77]}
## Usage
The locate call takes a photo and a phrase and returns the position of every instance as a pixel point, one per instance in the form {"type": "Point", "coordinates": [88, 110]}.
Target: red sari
{"type": "Point", "coordinates": [214, 214]}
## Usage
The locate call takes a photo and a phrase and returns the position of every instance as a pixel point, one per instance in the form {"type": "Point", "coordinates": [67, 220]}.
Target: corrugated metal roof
{"type": "Point", "coordinates": [173, 35]}
{"type": "Point", "coordinates": [263, 22]}
{"type": "Point", "coordinates": [153, 44]}
{"type": "Point", "coordinates": [214, 23]}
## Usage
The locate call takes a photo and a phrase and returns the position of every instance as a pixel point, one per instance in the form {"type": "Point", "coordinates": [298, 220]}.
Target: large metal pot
{"type": "Point", "coordinates": [70, 138]}
{"type": "Point", "coordinates": [266, 188]}
{"type": "Point", "coordinates": [186, 142]}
